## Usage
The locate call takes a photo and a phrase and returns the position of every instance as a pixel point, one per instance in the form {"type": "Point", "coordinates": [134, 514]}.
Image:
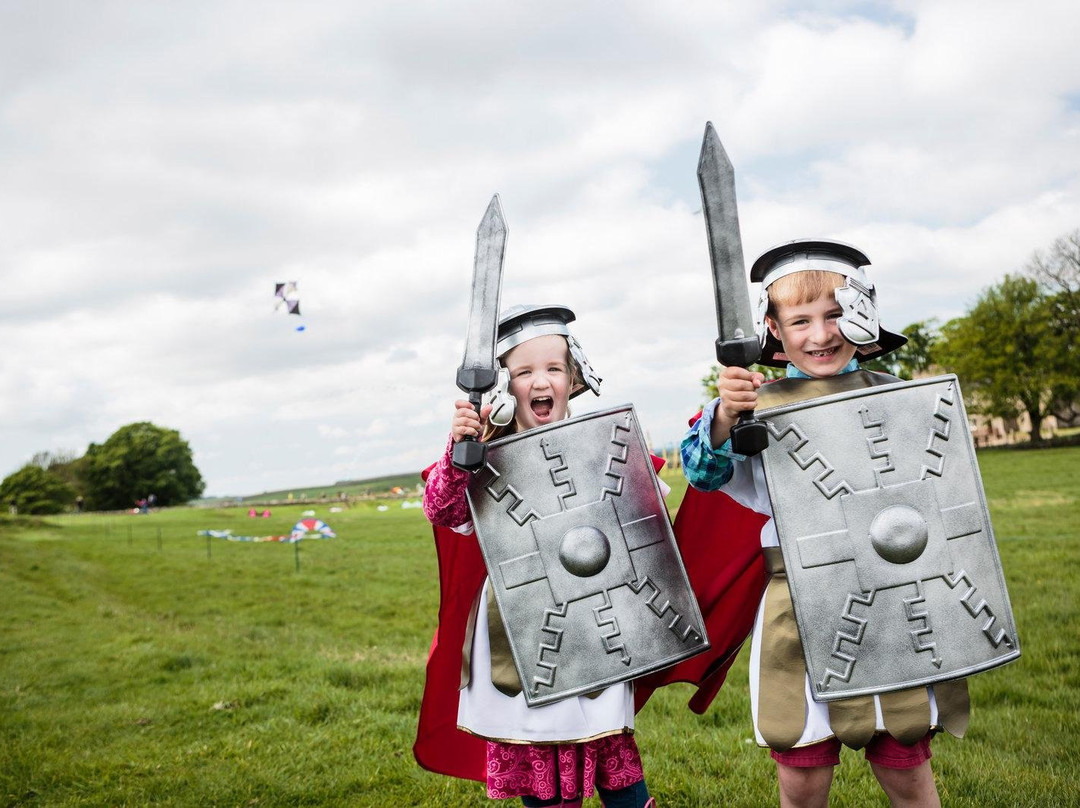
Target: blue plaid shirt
{"type": "Point", "coordinates": [709, 469]}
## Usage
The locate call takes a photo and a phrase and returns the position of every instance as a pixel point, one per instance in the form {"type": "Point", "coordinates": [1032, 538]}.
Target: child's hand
{"type": "Point", "coordinates": [466, 421]}
{"type": "Point", "coordinates": [738, 391]}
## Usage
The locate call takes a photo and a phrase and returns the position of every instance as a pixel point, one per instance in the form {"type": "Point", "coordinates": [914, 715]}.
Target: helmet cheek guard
{"type": "Point", "coordinates": [588, 375]}
{"type": "Point", "coordinates": [501, 401]}
{"type": "Point", "coordinates": [859, 322]}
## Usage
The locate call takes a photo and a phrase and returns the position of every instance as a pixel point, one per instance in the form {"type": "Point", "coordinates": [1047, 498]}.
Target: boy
{"type": "Point", "coordinates": [818, 317]}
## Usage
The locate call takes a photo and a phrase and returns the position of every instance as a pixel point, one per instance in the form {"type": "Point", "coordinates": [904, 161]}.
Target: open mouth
{"type": "Point", "coordinates": [542, 406]}
{"type": "Point", "coordinates": [825, 354]}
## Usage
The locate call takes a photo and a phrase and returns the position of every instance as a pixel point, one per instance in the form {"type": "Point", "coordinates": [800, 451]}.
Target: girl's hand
{"type": "Point", "coordinates": [466, 421]}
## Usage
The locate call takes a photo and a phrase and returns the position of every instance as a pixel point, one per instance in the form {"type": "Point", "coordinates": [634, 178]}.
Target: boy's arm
{"type": "Point", "coordinates": [706, 468]}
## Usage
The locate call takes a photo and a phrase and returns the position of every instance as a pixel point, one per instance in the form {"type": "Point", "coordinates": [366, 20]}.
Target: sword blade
{"type": "Point", "coordinates": [478, 371]}
{"type": "Point", "coordinates": [716, 178]}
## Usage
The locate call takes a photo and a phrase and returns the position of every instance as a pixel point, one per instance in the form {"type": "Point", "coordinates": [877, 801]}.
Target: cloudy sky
{"type": "Point", "coordinates": [162, 165]}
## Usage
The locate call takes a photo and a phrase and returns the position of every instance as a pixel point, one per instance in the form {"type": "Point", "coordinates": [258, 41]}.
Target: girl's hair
{"type": "Point", "coordinates": [577, 382]}
{"type": "Point", "coordinates": [802, 287]}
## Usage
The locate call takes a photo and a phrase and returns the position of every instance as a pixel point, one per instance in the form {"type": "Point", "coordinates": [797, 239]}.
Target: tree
{"type": "Point", "coordinates": [1009, 357]}
{"type": "Point", "coordinates": [34, 490]}
{"type": "Point", "coordinates": [912, 358]}
{"type": "Point", "coordinates": [138, 460]}
{"type": "Point", "coordinates": [1058, 272]}
{"type": "Point", "coordinates": [64, 465]}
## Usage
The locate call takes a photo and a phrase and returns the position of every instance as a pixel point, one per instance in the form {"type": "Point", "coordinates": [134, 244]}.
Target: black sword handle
{"type": "Point", "coordinates": [749, 436]}
{"type": "Point", "coordinates": [469, 453]}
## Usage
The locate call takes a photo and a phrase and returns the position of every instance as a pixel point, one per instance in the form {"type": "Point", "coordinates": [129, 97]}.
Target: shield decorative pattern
{"type": "Point", "coordinates": [580, 552]}
{"type": "Point", "coordinates": [886, 537]}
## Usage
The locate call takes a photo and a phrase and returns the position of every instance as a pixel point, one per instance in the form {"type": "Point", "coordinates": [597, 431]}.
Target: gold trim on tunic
{"type": "Point", "coordinates": [518, 741]}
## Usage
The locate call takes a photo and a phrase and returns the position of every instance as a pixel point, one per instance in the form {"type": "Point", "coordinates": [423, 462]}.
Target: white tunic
{"type": "Point", "coordinates": [484, 711]}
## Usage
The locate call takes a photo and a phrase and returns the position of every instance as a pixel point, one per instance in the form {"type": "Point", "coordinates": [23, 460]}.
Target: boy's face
{"type": "Point", "coordinates": [539, 380]}
{"type": "Point", "coordinates": [810, 336]}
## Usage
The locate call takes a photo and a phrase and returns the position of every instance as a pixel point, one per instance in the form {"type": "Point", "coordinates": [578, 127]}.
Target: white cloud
{"type": "Point", "coordinates": [163, 167]}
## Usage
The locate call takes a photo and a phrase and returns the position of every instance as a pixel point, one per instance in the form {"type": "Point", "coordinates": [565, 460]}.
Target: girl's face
{"type": "Point", "coordinates": [811, 337]}
{"type": "Point", "coordinates": [539, 380]}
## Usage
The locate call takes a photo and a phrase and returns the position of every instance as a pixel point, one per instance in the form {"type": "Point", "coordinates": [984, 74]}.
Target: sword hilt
{"type": "Point", "coordinates": [741, 352]}
{"type": "Point", "coordinates": [469, 453]}
{"type": "Point", "coordinates": [749, 436]}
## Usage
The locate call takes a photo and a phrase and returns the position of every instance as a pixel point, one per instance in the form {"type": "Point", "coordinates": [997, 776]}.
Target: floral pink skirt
{"type": "Point", "coordinates": [515, 770]}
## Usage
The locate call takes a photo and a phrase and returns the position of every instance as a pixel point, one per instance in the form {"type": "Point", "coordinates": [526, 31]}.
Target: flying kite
{"type": "Point", "coordinates": [288, 297]}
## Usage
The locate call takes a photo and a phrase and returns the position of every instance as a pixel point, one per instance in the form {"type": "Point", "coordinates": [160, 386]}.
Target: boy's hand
{"type": "Point", "coordinates": [738, 392]}
{"type": "Point", "coordinates": [466, 421]}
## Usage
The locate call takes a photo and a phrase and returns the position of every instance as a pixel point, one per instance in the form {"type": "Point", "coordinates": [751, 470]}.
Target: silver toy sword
{"type": "Point", "coordinates": [478, 372]}
{"type": "Point", "coordinates": [737, 344]}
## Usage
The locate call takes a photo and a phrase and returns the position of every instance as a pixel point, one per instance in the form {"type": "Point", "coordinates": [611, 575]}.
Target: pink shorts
{"type": "Point", "coordinates": [883, 749]}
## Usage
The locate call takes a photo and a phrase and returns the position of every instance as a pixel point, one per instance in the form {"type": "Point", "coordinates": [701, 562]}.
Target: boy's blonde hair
{"type": "Point", "coordinates": [802, 287]}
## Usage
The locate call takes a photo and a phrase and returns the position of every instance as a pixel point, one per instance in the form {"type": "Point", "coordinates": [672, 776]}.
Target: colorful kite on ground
{"type": "Point", "coordinates": [312, 529]}
{"type": "Point", "coordinates": [304, 529]}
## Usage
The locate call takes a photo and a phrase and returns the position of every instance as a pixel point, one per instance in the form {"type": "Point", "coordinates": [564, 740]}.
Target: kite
{"type": "Point", "coordinates": [304, 529]}
{"type": "Point", "coordinates": [288, 297]}
{"type": "Point", "coordinates": [311, 529]}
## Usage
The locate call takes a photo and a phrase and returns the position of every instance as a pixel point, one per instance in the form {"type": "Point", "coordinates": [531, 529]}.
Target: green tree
{"type": "Point", "coordinates": [912, 358]}
{"type": "Point", "coordinates": [34, 490]}
{"type": "Point", "coordinates": [138, 460]}
{"type": "Point", "coordinates": [1057, 271]}
{"type": "Point", "coordinates": [64, 465]}
{"type": "Point", "coordinates": [1007, 353]}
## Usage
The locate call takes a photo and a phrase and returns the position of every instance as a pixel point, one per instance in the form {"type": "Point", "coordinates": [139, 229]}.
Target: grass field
{"type": "Point", "coordinates": [141, 665]}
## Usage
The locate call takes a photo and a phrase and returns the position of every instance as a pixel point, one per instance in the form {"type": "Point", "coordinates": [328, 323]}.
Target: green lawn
{"type": "Point", "coordinates": [135, 669]}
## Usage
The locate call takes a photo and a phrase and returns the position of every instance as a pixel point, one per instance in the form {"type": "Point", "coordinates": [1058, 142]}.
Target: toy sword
{"type": "Point", "coordinates": [478, 372]}
{"type": "Point", "coordinates": [737, 344]}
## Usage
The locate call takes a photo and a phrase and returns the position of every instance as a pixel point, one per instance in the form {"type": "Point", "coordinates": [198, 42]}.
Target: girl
{"type": "Point", "coordinates": [547, 755]}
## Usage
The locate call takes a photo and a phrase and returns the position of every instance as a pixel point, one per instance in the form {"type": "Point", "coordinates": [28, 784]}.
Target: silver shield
{"type": "Point", "coordinates": [581, 555]}
{"type": "Point", "coordinates": [886, 537]}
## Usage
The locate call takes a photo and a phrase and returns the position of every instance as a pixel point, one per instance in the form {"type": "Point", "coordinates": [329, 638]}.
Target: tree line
{"type": "Point", "coordinates": [138, 461]}
{"type": "Point", "coordinates": [1016, 350]}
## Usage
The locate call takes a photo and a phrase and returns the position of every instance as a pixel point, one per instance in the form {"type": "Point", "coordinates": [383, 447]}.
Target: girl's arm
{"type": "Point", "coordinates": [444, 497]}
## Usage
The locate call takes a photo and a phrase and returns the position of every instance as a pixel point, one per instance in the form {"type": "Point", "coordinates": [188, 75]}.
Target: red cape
{"type": "Point", "coordinates": [720, 543]}
{"type": "Point", "coordinates": [721, 550]}
{"type": "Point", "coordinates": [440, 746]}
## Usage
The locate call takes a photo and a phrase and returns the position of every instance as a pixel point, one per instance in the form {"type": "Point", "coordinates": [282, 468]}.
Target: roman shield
{"type": "Point", "coordinates": [886, 538]}
{"type": "Point", "coordinates": [581, 556]}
